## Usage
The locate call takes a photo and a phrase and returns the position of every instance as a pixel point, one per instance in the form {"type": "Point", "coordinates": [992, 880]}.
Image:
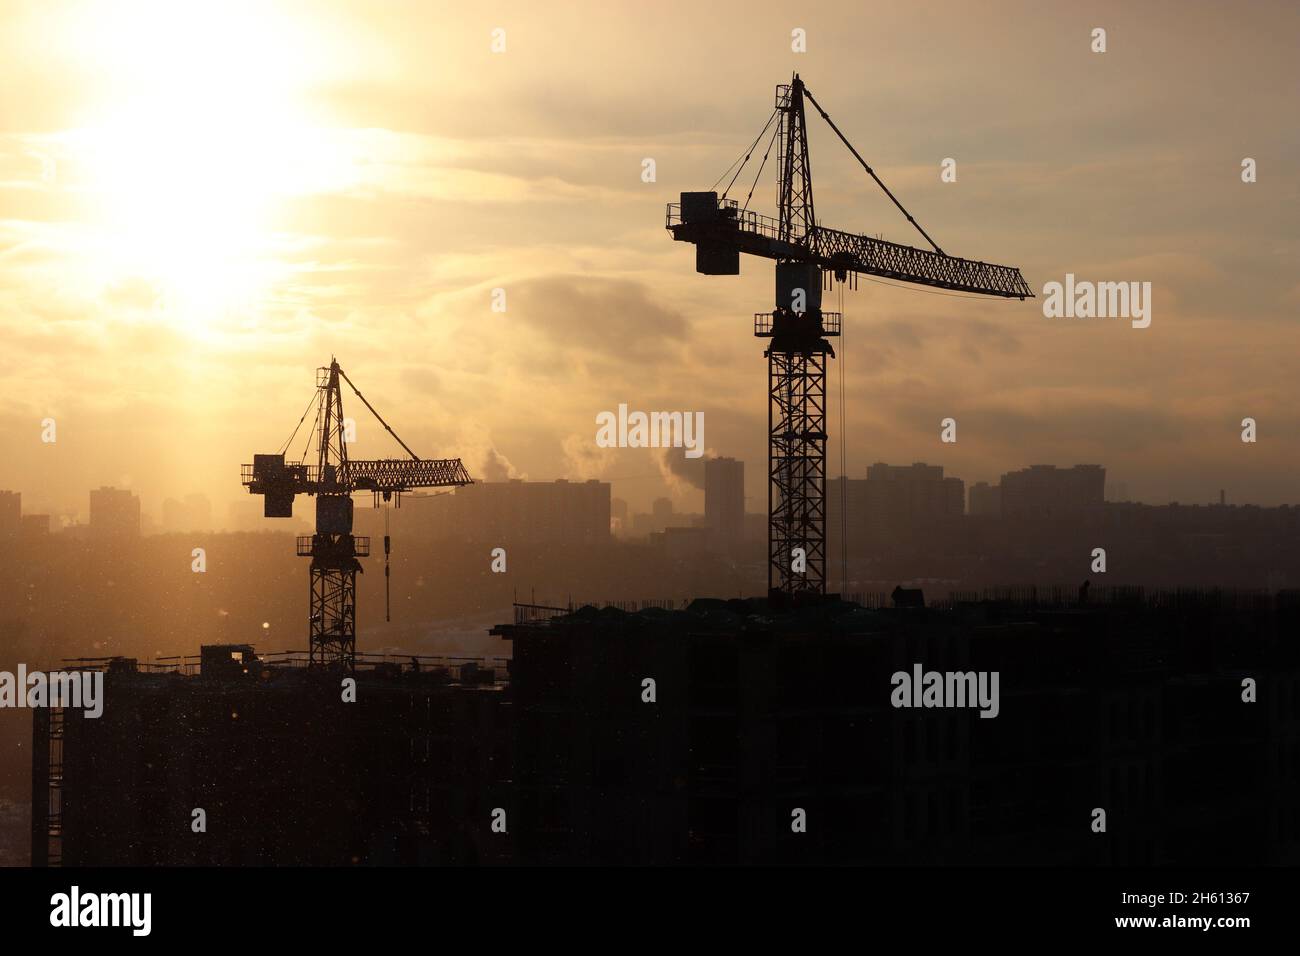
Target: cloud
{"type": "Point", "coordinates": [135, 293]}
{"type": "Point", "coordinates": [598, 314]}
{"type": "Point", "coordinates": [445, 172]}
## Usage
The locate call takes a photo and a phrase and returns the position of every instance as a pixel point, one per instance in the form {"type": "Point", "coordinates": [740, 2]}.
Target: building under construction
{"type": "Point", "coordinates": [1127, 702]}
{"type": "Point", "coordinates": [284, 769]}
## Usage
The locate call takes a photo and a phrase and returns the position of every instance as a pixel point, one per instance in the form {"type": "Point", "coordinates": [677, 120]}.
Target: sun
{"type": "Point", "coordinates": [200, 134]}
{"type": "Point", "coordinates": [181, 204]}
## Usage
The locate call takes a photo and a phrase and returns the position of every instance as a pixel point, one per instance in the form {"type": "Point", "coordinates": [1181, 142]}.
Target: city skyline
{"type": "Point", "coordinates": [244, 513]}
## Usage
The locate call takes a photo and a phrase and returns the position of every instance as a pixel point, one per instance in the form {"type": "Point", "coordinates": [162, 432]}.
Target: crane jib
{"type": "Point", "coordinates": [398, 474]}
{"type": "Point", "coordinates": [729, 231]}
{"type": "Point", "coordinates": [272, 474]}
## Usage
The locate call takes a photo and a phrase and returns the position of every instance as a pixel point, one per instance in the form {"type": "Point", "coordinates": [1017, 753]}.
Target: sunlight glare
{"type": "Point", "coordinates": [201, 133]}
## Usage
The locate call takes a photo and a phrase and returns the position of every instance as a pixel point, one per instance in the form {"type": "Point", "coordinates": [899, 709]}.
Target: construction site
{"type": "Point", "coordinates": [758, 730]}
{"type": "Point", "coordinates": [1128, 702]}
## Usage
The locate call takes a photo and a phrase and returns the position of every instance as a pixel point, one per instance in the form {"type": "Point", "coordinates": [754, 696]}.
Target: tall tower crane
{"type": "Point", "coordinates": [332, 479]}
{"type": "Point", "coordinates": [808, 257]}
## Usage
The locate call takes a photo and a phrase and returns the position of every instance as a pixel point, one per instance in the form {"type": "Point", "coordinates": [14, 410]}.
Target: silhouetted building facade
{"type": "Point", "coordinates": [285, 771]}
{"type": "Point", "coordinates": [34, 528]}
{"type": "Point", "coordinates": [528, 513]}
{"type": "Point", "coordinates": [11, 511]}
{"type": "Point", "coordinates": [896, 510]}
{"type": "Point", "coordinates": [985, 500]}
{"type": "Point", "coordinates": [1133, 704]}
{"type": "Point", "coordinates": [724, 503]}
{"type": "Point", "coordinates": [620, 517]}
{"type": "Point", "coordinates": [700, 736]}
{"type": "Point", "coordinates": [1045, 491]}
{"type": "Point", "coordinates": [114, 513]}
{"type": "Point", "coordinates": [917, 491]}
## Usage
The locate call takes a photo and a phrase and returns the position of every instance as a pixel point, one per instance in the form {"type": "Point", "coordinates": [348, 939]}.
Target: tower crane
{"type": "Point", "coordinates": [332, 479]}
{"type": "Point", "coordinates": [808, 257]}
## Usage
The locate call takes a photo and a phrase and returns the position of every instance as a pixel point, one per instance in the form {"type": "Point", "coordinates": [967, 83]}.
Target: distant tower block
{"type": "Point", "coordinates": [724, 502]}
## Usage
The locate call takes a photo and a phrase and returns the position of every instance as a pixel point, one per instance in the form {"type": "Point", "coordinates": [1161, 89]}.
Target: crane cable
{"type": "Point", "coordinates": [749, 152]}
{"type": "Point", "coordinates": [285, 446]}
{"type": "Point", "coordinates": [314, 425]}
{"type": "Point", "coordinates": [356, 390]}
{"type": "Point", "coordinates": [879, 182]}
{"type": "Point", "coordinates": [388, 603]}
{"type": "Point", "coordinates": [844, 470]}
{"type": "Point", "coordinates": [760, 168]}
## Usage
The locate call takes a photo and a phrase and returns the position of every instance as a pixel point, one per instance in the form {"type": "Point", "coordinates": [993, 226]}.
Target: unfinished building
{"type": "Point", "coordinates": [284, 770]}
{"type": "Point", "coordinates": [726, 732]}
{"type": "Point", "coordinates": [772, 738]}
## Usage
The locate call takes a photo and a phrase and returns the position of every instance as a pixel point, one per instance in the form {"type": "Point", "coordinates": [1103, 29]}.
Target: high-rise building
{"type": "Point", "coordinates": [620, 520]}
{"type": "Point", "coordinates": [34, 528]}
{"type": "Point", "coordinates": [985, 499]}
{"type": "Point", "coordinates": [114, 513]}
{"type": "Point", "coordinates": [896, 508]}
{"type": "Point", "coordinates": [918, 490]}
{"type": "Point", "coordinates": [11, 511]}
{"type": "Point", "coordinates": [724, 502]}
{"type": "Point", "coordinates": [904, 498]}
{"type": "Point", "coordinates": [529, 512]}
{"type": "Point", "coordinates": [1043, 491]}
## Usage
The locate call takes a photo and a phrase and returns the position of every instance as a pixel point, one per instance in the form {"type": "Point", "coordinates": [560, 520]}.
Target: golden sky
{"type": "Point", "coordinates": [200, 203]}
